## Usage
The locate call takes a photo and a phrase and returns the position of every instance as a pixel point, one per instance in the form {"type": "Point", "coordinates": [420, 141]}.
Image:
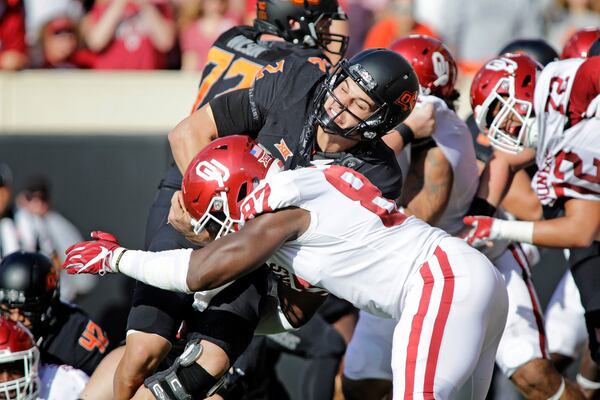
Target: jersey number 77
{"type": "Point", "coordinates": [240, 72]}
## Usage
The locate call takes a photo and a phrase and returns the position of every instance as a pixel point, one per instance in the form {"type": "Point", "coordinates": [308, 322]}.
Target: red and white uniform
{"type": "Point", "coordinates": [61, 382]}
{"type": "Point", "coordinates": [565, 321]}
{"type": "Point", "coordinates": [369, 353]}
{"type": "Point", "coordinates": [567, 97]}
{"type": "Point", "coordinates": [446, 297]}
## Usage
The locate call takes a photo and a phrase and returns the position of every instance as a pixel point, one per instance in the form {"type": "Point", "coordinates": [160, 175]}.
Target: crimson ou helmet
{"type": "Point", "coordinates": [502, 100]}
{"type": "Point", "coordinates": [432, 61]}
{"type": "Point", "coordinates": [220, 177]}
{"type": "Point", "coordinates": [386, 77]}
{"type": "Point", "coordinates": [579, 43]}
{"type": "Point", "coordinates": [19, 358]}
{"type": "Point", "coordinates": [313, 17]}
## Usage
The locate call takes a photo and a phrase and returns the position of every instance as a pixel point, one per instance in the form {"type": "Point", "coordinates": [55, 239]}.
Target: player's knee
{"type": "Point", "coordinates": [186, 378]}
{"type": "Point", "coordinates": [365, 389]}
{"type": "Point", "coordinates": [537, 379]}
{"type": "Point", "coordinates": [143, 353]}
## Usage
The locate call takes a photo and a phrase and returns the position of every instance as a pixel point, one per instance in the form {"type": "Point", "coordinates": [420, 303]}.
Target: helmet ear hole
{"type": "Point", "coordinates": [243, 191]}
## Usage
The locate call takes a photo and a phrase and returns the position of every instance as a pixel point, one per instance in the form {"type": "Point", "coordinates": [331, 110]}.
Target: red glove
{"type": "Point", "coordinates": [96, 257]}
{"type": "Point", "coordinates": [481, 233]}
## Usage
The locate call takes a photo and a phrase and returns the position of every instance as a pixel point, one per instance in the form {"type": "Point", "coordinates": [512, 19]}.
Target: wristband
{"type": "Point", "coordinates": [586, 383]}
{"type": "Point", "coordinates": [406, 133]}
{"type": "Point", "coordinates": [480, 206]}
{"type": "Point", "coordinates": [516, 231]}
{"type": "Point", "coordinates": [116, 266]}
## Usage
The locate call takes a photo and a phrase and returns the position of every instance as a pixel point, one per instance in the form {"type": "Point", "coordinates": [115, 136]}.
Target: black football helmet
{"type": "Point", "coordinates": [538, 49]}
{"type": "Point", "coordinates": [386, 77]}
{"type": "Point", "coordinates": [594, 49]}
{"type": "Point", "coordinates": [29, 281]}
{"type": "Point", "coordinates": [313, 16]}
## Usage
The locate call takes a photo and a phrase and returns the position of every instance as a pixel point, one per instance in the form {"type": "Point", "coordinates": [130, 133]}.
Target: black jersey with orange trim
{"type": "Point", "coordinates": [232, 62]}
{"type": "Point", "coordinates": [235, 58]}
{"type": "Point", "coordinates": [277, 110]}
{"type": "Point", "coordinates": [73, 339]}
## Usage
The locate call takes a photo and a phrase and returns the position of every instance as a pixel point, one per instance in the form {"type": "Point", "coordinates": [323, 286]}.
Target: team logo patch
{"type": "Point", "coordinates": [283, 150]}
{"type": "Point", "coordinates": [261, 155]}
{"type": "Point", "coordinates": [406, 100]}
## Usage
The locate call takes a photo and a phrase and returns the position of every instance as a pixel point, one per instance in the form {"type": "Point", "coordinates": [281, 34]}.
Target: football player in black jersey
{"type": "Point", "coordinates": [29, 293]}
{"type": "Point", "coordinates": [300, 114]}
{"type": "Point", "coordinates": [282, 28]}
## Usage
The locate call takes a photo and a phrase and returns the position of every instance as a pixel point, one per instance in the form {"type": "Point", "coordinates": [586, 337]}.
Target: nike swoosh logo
{"type": "Point", "coordinates": [103, 253]}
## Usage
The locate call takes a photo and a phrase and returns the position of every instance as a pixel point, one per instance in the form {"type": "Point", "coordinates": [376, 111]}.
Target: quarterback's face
{"type": "Point", "coordinates": [349, 104]}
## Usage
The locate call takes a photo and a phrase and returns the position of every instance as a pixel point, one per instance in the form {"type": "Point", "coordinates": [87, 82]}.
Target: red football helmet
{"type": "Point", "coordinates": [510, 81]}
{"type": "Point", "coordinates": [220, 177]}
{"type": "Point", "coordinates": [579, 43]}
{"type": "Point", "coordinates": [19, 357]}
{"type": "Point", "coordinates": [432, 61]}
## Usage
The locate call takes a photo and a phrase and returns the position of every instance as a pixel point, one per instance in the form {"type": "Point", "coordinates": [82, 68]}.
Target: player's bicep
{"type": "Point", "coordinates": [233, 114]}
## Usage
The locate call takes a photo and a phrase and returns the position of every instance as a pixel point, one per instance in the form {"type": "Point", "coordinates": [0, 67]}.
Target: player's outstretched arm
{"type": "Point", "coordinates": [184, 270]}
{"type": "Point", "coordinates": [191, 135]}
{"type": "Point", "coordinates": [235, 255]}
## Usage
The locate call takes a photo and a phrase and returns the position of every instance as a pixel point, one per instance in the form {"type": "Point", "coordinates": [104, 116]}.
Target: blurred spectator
{"type": "Point", "coordinates": [477, 30]}
{"type": "Point", "coordinates": [39, 12]}
{"type": "Point", "coordinates": [130, 34]}
{"type": "Point", "coordinates": [13, 51]}
{"type": "Point", "coordinates": [43, 229]}
{"type": "Point", "coordinates": [60, 45]}
{"type": "Point", "coordinates": [398, 21]}
{"type": "Point", "coordinates": [9, 241]}
{"type": "Point", "coordinates": [569, 16]}
{"type": "Point", "coordinates": [200, 24]}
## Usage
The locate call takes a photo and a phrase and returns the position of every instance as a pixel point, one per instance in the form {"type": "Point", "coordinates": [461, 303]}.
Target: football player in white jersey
{"type": "Point", "coordinates": [441, 183]}
{"type": "Point", "coordinates": [330, 227]}
{"type": "Point", "coordinates": [554, 126]}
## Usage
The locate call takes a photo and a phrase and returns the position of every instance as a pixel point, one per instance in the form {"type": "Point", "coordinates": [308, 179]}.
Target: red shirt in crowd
{"type": "Point", "coordinates": [12, 26]}
{"type": "Point", "coordinates": [131, 48]}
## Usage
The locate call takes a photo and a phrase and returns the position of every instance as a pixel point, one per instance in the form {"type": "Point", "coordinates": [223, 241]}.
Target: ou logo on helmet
{"type": "Point", "coordinates": [212, 170]}
{"type": "Point", "coordinates": [441, 68]}
{"type": "Point", "coordinates": [502, 64]}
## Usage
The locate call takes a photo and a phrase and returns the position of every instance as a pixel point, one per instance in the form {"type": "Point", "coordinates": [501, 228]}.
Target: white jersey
{"type": "Point", "coordinates": [453, 138]}
{"type": "Point", "coordinates": [568, 160]}
{"type": "Point", "coordinates": [61, 382]}
{"type": "Point", "coordinates": [358, 246]}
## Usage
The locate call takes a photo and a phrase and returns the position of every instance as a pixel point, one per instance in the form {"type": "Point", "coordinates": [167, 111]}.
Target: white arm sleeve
{"type": "Point", "coordinates": [166, 269]}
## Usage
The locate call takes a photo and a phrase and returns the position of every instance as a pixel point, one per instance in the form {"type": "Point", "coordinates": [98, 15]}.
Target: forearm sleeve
{"type": "Point", "coordinates": [166, 269]}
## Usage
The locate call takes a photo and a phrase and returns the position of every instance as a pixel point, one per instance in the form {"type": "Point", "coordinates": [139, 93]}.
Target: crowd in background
{"type": "Point", "coordinates": [176, 34]}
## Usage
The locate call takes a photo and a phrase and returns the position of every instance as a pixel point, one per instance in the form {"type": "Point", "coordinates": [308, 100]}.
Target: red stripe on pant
{"type": "Point", "coordinates": [440, 323]}
{"type": "Point", "coordinates": [415, 332]}
{"type": "Point", "coordinates": [438, 328]}
{"type": "Point", "coordinates": [534, 301]}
